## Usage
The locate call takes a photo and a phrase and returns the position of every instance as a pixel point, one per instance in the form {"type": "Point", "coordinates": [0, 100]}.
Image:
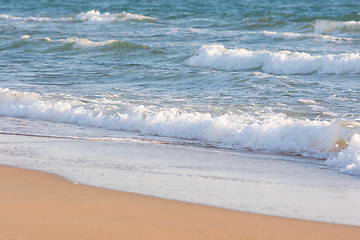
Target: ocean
{"type": "Point", "coordinates": [221, 80]}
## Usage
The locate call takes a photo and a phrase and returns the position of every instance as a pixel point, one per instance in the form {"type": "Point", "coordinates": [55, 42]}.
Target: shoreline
{"type": "Point", "coordinates": [251, 183]}
{"type": "Point", "coordinates": [40, 205]}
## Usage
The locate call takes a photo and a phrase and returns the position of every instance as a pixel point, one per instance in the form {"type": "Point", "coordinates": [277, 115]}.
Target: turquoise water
{"type": "Point", "coordinates": [261, 76]}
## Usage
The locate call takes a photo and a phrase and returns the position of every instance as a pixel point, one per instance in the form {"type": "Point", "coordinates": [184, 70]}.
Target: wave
{"type": "Point", "coordinates": [284, 62]}
{"type": "Point", "coordinates": [71, 43]}
{"type": "Point", "coordinates": [25, 36]}
{"type": "Point", "coordinates": [90, 16]}
{"type": "Point", "coordinates": [338, 141]}
{"type": "Point", "coordinates": [96, 16]}
{"type": "Point", "coordinates": [291, 35]}
{"type": "Point", "coordinates": [82, 42]}
{"type": "Point", "coordinates": [34, 19]}
{"type": "Point", "coordinates": [348, 160]}
{"type": "Point", "coordinates": [328, 26]}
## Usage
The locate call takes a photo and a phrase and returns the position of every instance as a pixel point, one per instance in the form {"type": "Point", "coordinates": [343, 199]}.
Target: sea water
{"type": "Point", "coordinates": [261, 77]}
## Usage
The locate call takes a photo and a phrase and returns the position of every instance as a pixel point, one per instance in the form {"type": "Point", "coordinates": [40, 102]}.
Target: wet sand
{"type": "Point", "coordinates": [38, 205]}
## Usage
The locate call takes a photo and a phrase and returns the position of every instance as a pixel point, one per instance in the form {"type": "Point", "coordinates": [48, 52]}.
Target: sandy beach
{"type": "Point", "coordinates": [38, 205]}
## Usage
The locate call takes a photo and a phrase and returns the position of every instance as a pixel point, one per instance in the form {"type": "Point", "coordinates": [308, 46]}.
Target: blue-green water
{"type": "Point", "coordinates": [270, 76]}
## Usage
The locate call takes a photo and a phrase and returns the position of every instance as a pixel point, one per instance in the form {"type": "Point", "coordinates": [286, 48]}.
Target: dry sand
{"type": "Point", "coordinates": [37, 205]}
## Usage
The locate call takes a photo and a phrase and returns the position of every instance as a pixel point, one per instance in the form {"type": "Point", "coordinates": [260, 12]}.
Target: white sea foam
{"type": "Point", "coordinates": [39, 19]}
{"type": "Point", "coordinates": [283, 35]}
{"type": "Point", "coordinates": [90, 16]}
{"type": "Point", "coordinates": [291, 35]}
{"type": "Point", "coordinates": [34, 19]}
{"type": "Point", "coordinates": [82, 42]}
{"type": "Point", "coordinates": [284, 62]}
{"type": "Point", "coordinates": [25, 37]}
{"type": "Point", "coordinates": [307, 101]}
{"type": "Point", "coordinates": [348, 160]}
{"type": "Point", "coordinates": [96, 16]}
{"type": "Point", "coordinates": [86, 43]}
{"type": "Point", "coordinates": [328, 26]}
{"type": "Point", "coordinates": [338, 141]}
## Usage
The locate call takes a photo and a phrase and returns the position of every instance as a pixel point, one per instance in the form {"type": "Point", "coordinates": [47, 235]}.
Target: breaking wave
{"type": "Point", "coordinates": [82, 42]}
{"type": "Point", "coordinates": [338, 141]}
{"type": "Point", "coordinates": [96, 16]}
{"type": "Point", "coordinates": [328, 26]}
{"type": "Point", "coordinates": [72, 43]}
{"type": "Point", "coordinates": [291, 35]}
{"type": "Point", "coordinates": [348, 160]}
{"type": "Point", "coordinates": [283, 62]}
{"type": "Point", "coordinates": [90, 16]}
{"type": "Point", "coordinates": [34, 19]}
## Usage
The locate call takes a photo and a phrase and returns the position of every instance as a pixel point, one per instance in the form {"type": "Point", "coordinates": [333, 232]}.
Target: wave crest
{"type": "Point", "coordinates": [96, 16]}
{"type": "Point", "coordinates": [90, 16]}
{"type": "Point", "coordinates": [328, 26]}
{"type": "Point", "coordinates": [291, 35]}
{"type": "Point", "coordinates": [348, 160]}
{"type": "Point", "coordinates": [284, 62]}
{"type": "Point", "coordinates": [32, 19]}
{"type": "Point", "coordinates": [84, 43]}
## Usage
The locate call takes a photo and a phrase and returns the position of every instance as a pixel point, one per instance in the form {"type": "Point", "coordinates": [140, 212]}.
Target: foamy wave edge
{"type": "Point", "coordinates": [96, 16]}
{"type": "Point", "coordinates": [292, 35]}
{"type": "Point", "coordinates": [90, 16]}
{"type": "Point", "coordinates": [328, 26]}
{"type": "Point", "coordinates": [338, 141]}
{"type": "Point", "coordinates": [283, 62]}
{"type": "Point", "coordinates": [34, 19]}
{"type": "Point", "coordinates": [82, 42]}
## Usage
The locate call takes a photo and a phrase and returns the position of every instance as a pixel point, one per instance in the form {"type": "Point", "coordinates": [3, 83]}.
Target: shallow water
{"type": "Point", "coordinates": [261, 183]}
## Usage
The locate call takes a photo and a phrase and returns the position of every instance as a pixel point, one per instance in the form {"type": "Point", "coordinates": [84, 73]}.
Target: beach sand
{"type": "Point", "coordinates": [38, 205]}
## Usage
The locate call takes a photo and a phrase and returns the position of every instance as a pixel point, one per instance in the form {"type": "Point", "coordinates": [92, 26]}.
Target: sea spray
{"type": "Point", "coordinates": [348, 160]}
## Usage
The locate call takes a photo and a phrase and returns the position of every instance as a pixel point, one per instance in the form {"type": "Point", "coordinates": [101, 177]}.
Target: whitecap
{"type": "Point", "coordinates": [283, 34]}
{"type": "Point", "coordinates": [79, 43]}
{"type": "Point", "coordinates": [38, 19]}
{"type": "Point", "coordinates": [34, 19]}
{"type": "Point", "coordinates": [328, 26]}
{"type": "Point", "coordinates": [291, 35]}
{"type": "Point", "coordinates": [86, 43]}
{"type": "Point", "coordinates": [96, 16]}
{"type": "Point", "coordinates": [307, 101]}
{"type": "Point", "coordinates": [90, 16]}
{"type": "Point", "coordinates": [283, 62]}
{"type": "Point", "coordinates": [25, 37]}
